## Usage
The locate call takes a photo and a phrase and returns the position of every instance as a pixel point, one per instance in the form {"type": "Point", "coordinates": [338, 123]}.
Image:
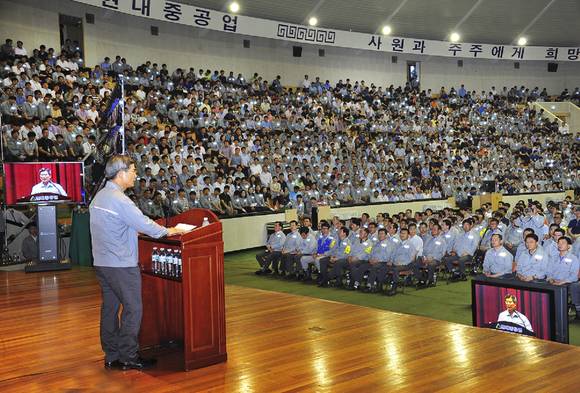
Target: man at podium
{"type": "Point", "coordinates": [46, 185]}
{"type": "Point", "coordinates": [512, 315]}
{"type": "Point", "coordinates": [115, 223]}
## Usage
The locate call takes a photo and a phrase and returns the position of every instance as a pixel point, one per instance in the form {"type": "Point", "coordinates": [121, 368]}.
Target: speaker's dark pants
{"type": "Point", "coordinates": [119, 336]}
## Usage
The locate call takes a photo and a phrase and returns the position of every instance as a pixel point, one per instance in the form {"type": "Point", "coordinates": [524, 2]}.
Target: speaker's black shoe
{"type": "Point", "coordinates": [138, 364]}
{"type": "Point", "coordinates": [114, 365]}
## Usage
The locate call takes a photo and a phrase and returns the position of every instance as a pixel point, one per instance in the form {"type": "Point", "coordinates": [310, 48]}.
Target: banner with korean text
{"type": "Point", "coordinates": [190, 15]}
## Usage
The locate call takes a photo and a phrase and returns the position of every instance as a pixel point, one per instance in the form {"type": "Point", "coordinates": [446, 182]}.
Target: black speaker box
{"type": "Point", "coordinates": [297, 51]}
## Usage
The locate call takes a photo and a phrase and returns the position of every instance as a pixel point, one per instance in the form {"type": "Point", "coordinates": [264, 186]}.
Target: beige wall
{"type": "Point", "coordinates": [391, 208]}
{"type": "Point", "coordinates": [247, 232]}
{"type": "Point", "coordinates": [542, 198]}
{"type": "Point", "coordinates": [36, 22]}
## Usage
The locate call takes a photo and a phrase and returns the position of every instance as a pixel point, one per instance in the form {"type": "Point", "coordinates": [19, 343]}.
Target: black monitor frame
{"type": "Point", "coordinates": [558, 296]}
{"type": "Point", "coordinates": [59, 202]}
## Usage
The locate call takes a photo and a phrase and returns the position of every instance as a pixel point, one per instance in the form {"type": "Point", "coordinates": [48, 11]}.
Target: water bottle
{"type": "Point", "coordinates": [173, 263]}
{"type": "Point", "coordinates": [162, 261]}
{"type": "Point", "coordinates": [205, 222]}
{"type": "Point", "coordinates": [178, 263]}
{"type": "Point", "coordinates": [155, 260]}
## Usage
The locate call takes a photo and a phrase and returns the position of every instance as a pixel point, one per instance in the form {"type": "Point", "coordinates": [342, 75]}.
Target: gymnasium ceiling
{"type": "Point", "coordinates": [542, 22]}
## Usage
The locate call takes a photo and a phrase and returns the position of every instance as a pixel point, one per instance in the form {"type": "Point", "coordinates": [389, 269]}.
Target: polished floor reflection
{"type": "Point", "coordinates": [49, 341]}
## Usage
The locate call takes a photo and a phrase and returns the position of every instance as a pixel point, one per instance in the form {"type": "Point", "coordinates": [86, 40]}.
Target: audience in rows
{"type": "Point", "coordinates": [525, 243]}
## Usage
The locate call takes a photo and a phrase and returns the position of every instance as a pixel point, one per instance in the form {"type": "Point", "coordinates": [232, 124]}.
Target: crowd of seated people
{"type": "Point", "coordinates": [234, 145]}
{"type": "Point", "coordinates": [524, 242]}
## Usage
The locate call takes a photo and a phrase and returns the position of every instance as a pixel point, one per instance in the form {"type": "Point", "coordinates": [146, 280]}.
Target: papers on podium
{"type": "Point", "coordinates": [185, 227]}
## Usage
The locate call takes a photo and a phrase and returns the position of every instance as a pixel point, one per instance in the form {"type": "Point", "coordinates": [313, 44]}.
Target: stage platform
{"type": "Point", "coordinates": [49, 342]}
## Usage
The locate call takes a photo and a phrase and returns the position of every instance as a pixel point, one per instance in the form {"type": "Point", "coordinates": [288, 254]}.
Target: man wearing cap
{"type": "Point", "coordinates": [115, 223]}
{"type": "Point", "coordinates": [46, 185]}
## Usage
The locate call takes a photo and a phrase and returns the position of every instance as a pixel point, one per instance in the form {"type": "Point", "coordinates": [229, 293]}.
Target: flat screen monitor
{"type": "Point", "coordinates": [535, 309]}
{"type": "Point", "coordinates": [43, 182]}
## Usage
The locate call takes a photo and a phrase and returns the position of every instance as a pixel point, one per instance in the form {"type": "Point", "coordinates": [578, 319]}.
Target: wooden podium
{"type": "Point", "coordinates": [189, 310]}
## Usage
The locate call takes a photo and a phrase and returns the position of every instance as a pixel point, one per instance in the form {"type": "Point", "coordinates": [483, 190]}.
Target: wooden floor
{"type": "Point", "coordinates": [49, 342]}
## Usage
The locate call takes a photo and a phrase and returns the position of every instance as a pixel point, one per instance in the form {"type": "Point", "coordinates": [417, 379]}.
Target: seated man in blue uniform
{"type": "Point", "coordinates": [532, 263]}
{"type": "Point", "coordinates": [433, 252]}
{"type": "Point", "coordinates": [463, 249]}
{"type": "Point", "coordinates": [377, 262]}
{"type": "Point", "coordinates": [339, 252]}
{"type": "Point", "coordinates": [498, 262]}
{"type": "Point", "coordinates": [563, 268]}
{"type": "Point", "coordinates": [324, 243]}
{"type": "Point", "coordinates": [361, 248]}
{"type": "Point", "coordinates": [403, 258]}
{"type": "Point", "coordinates": [290, 248]}
{"type": "Point", "coordinates": [273, 251]}
{"type": "Point", "coordinates": [306, 247]}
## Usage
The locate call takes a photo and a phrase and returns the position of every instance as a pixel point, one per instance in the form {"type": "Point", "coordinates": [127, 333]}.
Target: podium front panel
{"type": "Point", "coordinates": [190, 309]}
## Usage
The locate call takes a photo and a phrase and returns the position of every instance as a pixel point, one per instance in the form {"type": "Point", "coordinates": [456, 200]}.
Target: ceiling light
{"type": "Point", "coordinates": [313, 21]}
{"type": "Point", "coordinates": [386, 30]}
{"type": "Point", "coordinates": [234, 7]}
{"type": "Point", "coordinates": [454, 37]}
{"type": "Point", "coordinates": [522, 41]}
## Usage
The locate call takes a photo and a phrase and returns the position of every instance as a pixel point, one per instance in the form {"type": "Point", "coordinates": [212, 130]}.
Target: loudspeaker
{"type": "Point", "coordinates": [47, 233]}
{"type": "Point", "coordinates": [488, 186]}
{"type": "Point", "coordinates": [460, 63]}
{"type": "Point", "coordinates": [394, 59]}
{"type": "Point", "coordinates": [246, 43]}
{"type": "Point", "coordinates": [154, 30]}
{"type": "Point", "coordinates": [552, 67]}
{"type": "Point", "coordinates": [321, 53]}
{"type": "Point", "coordinates": [90, 18]}
{"type": "Point", "coordinates": [517, 65]}
{"type": "Point", "coordinates": [297, 51]}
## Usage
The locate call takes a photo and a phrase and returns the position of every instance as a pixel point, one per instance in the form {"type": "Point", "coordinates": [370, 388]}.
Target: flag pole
{"type": "Point", "coordinates": [122, 109]}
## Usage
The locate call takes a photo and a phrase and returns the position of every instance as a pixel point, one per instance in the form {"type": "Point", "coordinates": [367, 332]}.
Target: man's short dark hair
{"type": "Point", "coordinates": [510, 296]}
{"type": "Point", "coordinates": [116, 164]}
{"type": "Point", "coordinates": [533, 236]}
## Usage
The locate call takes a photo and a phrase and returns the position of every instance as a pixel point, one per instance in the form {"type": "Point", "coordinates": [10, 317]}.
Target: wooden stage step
{"type": "Point", "coordinates": [49, 342]}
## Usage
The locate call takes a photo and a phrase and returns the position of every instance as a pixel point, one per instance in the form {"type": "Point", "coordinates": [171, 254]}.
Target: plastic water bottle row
{"type": "Point", "coordinates": [166, 262]}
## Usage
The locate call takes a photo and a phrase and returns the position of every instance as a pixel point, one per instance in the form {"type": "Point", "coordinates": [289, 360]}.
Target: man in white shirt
{"type": "Point", "coordinates": [265, 176]}
{"type": "Point", "coordinates": [20, 50]}
{"type": "Point", "coordinates": [415, 240]}
{"type": "Point", "coordinates": [306, 83]}
{"type": "Point", "coordinates": [256, 168]}
{"type": "Point", "coordinates": [512, 315]}
{"type": "Point", "coordinates": [46, 185]}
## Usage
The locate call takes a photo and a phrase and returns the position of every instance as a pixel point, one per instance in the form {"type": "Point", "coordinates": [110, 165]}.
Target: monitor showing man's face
{"type": "Point", "coordinates": [45, 176]}
{"type": "Point", "coordinates": [510, 304]}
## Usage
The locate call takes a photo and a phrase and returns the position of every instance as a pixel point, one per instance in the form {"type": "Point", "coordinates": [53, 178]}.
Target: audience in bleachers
{"type": "Point", "coordinates": [234, 145]}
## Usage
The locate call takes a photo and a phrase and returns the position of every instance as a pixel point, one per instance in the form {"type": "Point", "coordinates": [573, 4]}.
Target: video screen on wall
{"type": "Point", "coordinates": [43, 182]}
